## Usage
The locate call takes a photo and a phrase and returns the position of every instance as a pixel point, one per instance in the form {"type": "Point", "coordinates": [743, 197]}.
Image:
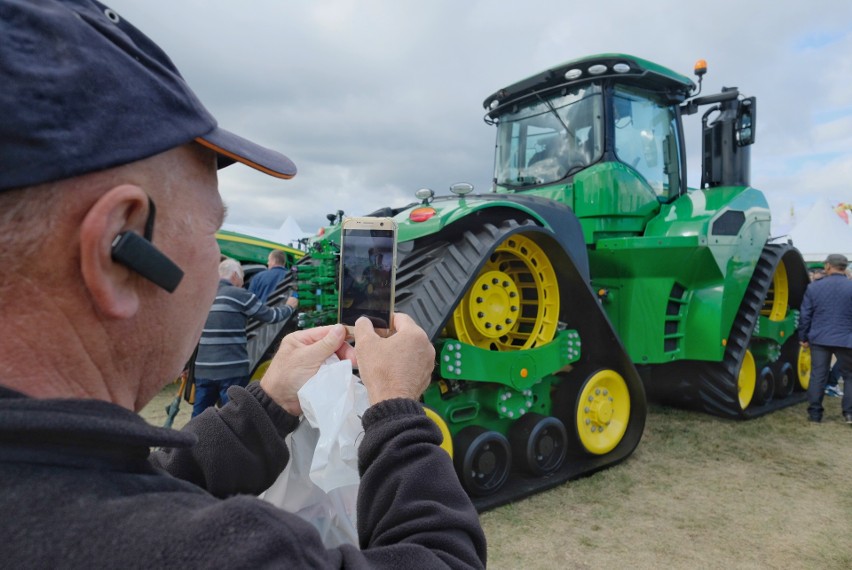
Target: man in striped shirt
{"type": "Point", "coordinates": [222, 359]}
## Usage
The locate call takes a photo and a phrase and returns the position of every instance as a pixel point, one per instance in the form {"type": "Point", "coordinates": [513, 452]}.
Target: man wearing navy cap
{"type": "Point", "coordinates": [108, 212]}
{"type": "Point", "coordinates": [825, 326]}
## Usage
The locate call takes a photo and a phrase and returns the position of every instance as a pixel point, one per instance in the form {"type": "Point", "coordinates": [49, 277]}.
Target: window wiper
{"type": "Point", "coordinates": [555, 114]}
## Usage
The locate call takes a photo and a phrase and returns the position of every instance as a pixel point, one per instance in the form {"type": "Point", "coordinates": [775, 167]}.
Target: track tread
{"type": "Point", "coordinates": [263, 338]}
{"type": "Point", "coordinates": [717, 381]}
{"type": "Point", "coordinates": [432, 279]}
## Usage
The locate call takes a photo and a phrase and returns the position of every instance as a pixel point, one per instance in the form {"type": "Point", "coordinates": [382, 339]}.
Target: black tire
{"type": "Point", "coordinates": [785, 379]}
{"type": "Point", "coordinates": [539, 443]}
{"type": "Point", "coordinates": [764, 389]}
{"type": "Point", "coordinates": [483, 459]}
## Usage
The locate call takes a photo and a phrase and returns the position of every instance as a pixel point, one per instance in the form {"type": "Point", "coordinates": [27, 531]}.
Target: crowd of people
{"type": "Point", "coordinates": [101, 138]}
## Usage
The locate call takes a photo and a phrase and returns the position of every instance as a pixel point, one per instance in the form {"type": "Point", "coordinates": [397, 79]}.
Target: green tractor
{"type": "Point", "coordinates": [588, 276]}
{"type": "Point", "coordinates": [251, 250]}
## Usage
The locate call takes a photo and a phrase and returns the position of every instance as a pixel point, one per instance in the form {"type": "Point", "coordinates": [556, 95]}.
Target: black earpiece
{"type": "Point", "coordinates": [138, 254]}
{"type": "Point", "coordinates": [141, 256]}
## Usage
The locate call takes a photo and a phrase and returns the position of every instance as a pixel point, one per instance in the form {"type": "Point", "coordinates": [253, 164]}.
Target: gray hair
{"type": "Point", "coordinates": [27, 216]}
{"type": "Point", "coordinates": [229, 267]}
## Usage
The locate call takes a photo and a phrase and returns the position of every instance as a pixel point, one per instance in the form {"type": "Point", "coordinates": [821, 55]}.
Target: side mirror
{"type": "Point", "coordinates": [745, 125]}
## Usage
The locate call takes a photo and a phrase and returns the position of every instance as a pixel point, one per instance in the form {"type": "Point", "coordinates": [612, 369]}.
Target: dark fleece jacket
{"type": "Point", "coordinates": [79, 490]}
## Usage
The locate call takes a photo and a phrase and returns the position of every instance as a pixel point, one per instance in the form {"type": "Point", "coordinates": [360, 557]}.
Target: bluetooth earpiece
{"type": "Point", "coordinates": [138, 254]}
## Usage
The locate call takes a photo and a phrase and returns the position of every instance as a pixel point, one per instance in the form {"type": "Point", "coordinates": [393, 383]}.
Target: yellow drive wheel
{"type": "Point", "coordinates": [602, 411]}
{"type": "Point", "coordinates": [803, 367]}
{"type": "Point", "coordinates": [746, 380]}
{"type": "Point", "coordinates": [778, 297]}
{"type": "Point", "coordinates": [513, 304]}
{"type": "Point", "coordinates": [447, 443]}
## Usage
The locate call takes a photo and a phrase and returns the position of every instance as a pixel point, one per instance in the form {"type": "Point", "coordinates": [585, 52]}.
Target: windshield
{"type": "Point", "coordinates": [545, 140]}
{"type": "Point", "coordinates": [646, 139]}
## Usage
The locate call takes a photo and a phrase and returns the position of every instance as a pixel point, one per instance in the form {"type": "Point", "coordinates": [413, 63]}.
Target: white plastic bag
{"type": "Point", "coordinates": [320, 483]}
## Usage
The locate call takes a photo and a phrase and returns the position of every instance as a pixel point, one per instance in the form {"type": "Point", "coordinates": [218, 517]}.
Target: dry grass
{"type": "Point", "coordinates": [698, 492]}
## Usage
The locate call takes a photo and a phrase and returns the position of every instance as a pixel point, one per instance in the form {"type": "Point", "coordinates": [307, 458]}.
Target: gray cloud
{"type": "Point", "coordinates": [374, 99]}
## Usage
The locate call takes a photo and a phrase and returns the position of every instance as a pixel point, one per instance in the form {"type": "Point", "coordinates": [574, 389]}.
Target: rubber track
{"type": "Point", "coordinates": [717, 381]}
{"type": "Point", "coordinates": [263, 338]}
{"type": "Point", "coordinates": [432, 278]}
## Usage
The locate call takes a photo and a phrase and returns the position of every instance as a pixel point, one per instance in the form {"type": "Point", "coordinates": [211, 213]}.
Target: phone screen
{"type": "Point", "coordinates": [366, 281]}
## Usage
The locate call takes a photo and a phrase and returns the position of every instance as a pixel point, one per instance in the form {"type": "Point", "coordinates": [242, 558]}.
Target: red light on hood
{"type": "Point", "coordinates": [421, 214]}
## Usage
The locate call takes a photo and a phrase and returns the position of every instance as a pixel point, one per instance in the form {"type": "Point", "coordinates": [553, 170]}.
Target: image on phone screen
{"type": "Point", "coordinates": [366, 283]}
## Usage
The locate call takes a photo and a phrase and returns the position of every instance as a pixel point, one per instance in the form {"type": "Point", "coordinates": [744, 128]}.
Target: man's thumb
{"type": "Point", "coordinates": [328, 344]}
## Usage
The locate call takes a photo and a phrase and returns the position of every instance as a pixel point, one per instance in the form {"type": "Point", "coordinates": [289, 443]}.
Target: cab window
{"type": "Point", "coordinates": [646, 140]}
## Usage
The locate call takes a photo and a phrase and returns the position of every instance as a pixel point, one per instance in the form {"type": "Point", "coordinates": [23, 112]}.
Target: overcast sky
{"type": "Point", "coordinates": [375, 99]}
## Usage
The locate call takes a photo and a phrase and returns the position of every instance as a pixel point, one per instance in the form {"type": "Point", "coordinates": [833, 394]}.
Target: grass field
{"type": "Point", "coordinates": [698, 492]}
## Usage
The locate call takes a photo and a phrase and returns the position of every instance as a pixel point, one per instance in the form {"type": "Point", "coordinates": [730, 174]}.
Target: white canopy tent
{"type": "Point", "coordinates": [821, 232]}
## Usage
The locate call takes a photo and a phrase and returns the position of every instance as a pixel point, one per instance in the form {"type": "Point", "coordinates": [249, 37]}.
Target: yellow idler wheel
{"type": "Point", "coordinates": [746, 380]}
{"type": "Point", "coordinates": [603, 410]}
{"type": "Point", "coordinates": [777, 298]}
{"type": "Point", "coordinates": [803, 367]}
{"type": "Point", "coordinates": [447, 443]}
{"type": "Point", "coordinates": [513, 304]}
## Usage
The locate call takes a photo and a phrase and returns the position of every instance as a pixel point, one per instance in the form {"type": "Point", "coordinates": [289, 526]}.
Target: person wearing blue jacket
{"type": "Point", "coordinates": [825, 326]}
{"type": "Point", "coordinates": [265, 282]}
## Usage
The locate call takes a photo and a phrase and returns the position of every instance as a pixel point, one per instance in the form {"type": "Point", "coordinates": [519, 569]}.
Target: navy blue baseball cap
{"type": "Point", "coordinates": [83, 90]}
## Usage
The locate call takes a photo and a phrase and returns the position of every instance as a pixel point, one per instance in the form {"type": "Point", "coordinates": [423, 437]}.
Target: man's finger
{"type": "Point", "coordinates": [309, 336]}
{"type": "Point", "coordinates": [364, 329]}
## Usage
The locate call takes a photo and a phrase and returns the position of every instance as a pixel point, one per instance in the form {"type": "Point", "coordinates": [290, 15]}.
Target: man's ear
{"type": "Point", "coordinates": [113, 287]}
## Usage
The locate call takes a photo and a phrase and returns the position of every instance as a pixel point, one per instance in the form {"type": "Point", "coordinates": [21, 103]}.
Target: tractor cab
{"type": "Point", "coordinates": [600, 109]}
{"type": "Point", "coordinates": [603, 135]}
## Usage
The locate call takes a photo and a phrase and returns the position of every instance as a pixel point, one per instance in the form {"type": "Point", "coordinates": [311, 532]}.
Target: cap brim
{"type": "Point", "coordinates": [233, 148]}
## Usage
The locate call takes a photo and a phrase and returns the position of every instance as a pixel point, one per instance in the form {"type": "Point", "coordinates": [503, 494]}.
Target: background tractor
{"type": "Point", "coordinates": [590, 274]}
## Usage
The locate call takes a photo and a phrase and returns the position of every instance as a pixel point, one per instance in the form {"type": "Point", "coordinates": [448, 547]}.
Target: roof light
{"type": "Point", "coordinates": [621, 68]}
{"type": "Point", "coordinates": [461, 188]}
{"type": "Point", "coordinates": [494, 104]}
{"type": "Point", "coordinates": [700, 67]}
{"type": "Point", "coordinates": [597, 69]}
{"type": "Point", "coordinates": [573, 74]}
{"type": "Point", "coordinates": [425, 194]}
{"type": "Point", "coordinates": [421, 214]}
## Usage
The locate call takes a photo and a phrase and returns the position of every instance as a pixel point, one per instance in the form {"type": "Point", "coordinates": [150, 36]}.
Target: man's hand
{"type": "Point", "coordinates": [292, 302]}
{"type": "Point", "coordinates": [298, 359]}
{"type": "Point", "coordinates": [396, 367]}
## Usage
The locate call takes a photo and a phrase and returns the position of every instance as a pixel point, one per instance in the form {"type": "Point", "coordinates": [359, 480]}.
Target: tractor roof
{"type": "Point", "coordinates": [625, 68]}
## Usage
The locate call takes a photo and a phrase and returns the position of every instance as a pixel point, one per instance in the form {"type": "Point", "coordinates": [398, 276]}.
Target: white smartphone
{"type": "Point", "coordinates": [367, 272]}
